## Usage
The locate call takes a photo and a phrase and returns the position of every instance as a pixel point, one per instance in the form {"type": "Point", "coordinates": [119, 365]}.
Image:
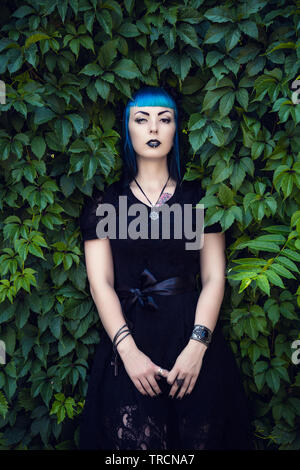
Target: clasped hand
{"type": "Point", "coordinates": [144, 373]}
{"type": "Point", "coordinates": [187, 366]}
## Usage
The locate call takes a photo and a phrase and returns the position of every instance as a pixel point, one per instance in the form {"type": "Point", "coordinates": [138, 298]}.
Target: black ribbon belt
{"type": "Point", "coordinates": [148, 285]}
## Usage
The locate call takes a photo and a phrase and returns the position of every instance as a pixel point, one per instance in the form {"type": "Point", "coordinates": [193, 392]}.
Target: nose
{"type": "Point", "coordinates": [153, 126]}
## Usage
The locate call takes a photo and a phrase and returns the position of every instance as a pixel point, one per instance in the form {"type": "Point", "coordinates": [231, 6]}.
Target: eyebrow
{"type": "Point", "coordinates": [147, 114]}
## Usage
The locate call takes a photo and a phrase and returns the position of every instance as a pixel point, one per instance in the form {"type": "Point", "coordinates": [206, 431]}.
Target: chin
{"type": "Point", "coordinates": [163, 150]}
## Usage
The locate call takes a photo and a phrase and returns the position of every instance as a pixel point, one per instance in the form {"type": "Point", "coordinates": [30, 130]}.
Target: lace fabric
{"type": "Point", "coordinates": [127, 433]}
{"type": "Point", "coordinates": [133, 432]}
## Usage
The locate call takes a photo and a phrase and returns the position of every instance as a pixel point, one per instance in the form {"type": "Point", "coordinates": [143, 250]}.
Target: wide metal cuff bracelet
{"type": "Point", "coordinates": [201, 333]}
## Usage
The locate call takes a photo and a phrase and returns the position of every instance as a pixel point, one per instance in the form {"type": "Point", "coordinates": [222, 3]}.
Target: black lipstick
{"type": "Point", "coordinates": [153, 143]}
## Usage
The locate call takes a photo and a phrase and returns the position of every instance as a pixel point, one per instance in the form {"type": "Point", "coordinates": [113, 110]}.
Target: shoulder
{"type": "Point", "coordinates": [106, 195]}
{"type": "Point", "coordinates": [98, 196]}
{"type": "Point", "coordinates": [113, 187]}
{"type": "Point", "coordinates": [88, 217]}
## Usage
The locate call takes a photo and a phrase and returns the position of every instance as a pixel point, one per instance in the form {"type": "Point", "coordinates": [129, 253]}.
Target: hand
{"type": "Point", "coordinates": [142, 371]}
{"type": "Point", "coordinates": [187, 367]}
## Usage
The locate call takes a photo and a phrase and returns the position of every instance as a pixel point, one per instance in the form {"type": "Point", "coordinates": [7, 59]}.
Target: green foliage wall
{"type": "Point", "coordinates": [69, 67]}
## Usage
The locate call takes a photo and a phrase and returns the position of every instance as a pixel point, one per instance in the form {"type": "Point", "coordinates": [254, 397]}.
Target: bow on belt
{"type": "Point", "coordinates": [148, 285]}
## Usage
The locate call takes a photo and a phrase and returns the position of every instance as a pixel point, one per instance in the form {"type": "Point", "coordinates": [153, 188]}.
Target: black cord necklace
{"type": "Point", "coordinates": [153, 213]}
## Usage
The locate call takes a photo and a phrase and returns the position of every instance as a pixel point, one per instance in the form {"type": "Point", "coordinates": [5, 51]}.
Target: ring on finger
{"type": "Point", "coordinates": [179, 382]}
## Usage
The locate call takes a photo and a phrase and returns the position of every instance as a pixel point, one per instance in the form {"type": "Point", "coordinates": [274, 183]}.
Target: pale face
{"type": "Point", "coordinates": [148, 123]}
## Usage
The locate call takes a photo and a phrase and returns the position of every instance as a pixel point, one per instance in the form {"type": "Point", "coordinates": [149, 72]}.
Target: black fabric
{"type": "Point", "coordinates": [149, 285]}
{"type": "Point", "coordinates": [116, 415]}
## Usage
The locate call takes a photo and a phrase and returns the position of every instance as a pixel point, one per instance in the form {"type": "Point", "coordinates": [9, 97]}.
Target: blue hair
{"type": "Point", "coordinates": [150, 96]}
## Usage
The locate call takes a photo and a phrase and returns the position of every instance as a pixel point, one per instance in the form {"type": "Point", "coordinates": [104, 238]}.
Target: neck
{"type": "Point", "coordinates": [152, 174]}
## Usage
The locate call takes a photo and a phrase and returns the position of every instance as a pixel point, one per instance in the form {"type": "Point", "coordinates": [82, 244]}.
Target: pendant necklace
{"type": "Point", "coordinates": [153, 213]}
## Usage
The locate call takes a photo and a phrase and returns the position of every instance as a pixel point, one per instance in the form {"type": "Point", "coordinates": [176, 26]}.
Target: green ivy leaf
{"type": "Point", "coordinates": [128, 30]}
{"type": "Point", "coordinates": [43, 115]}
{"type": "Point", "coordinates": [66, 345]}
{"type": "Point", "coordinates": [105, 21]}
{"type": "Point", "coordinates": [126, 68]}
{"type": "Point", "coordinates": [107, 54]}
{"type": "Point", "coordinates": [273, 380]}
{"type": "Point", "coordinates": [187, 34]}
{"type": "Point", "coordinates": [38, 146]}
{"type": "Point", "coordinates": [35, 38]}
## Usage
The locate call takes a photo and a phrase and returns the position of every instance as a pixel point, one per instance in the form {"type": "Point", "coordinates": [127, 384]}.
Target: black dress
{"type": "Point", "coordinates": [116, 415]}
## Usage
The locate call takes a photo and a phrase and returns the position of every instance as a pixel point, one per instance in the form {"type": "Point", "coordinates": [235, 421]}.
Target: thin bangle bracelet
{"type": "Point", "coordinates": [122, 340]}
{"type": "Point", "coordinates": [125, 324]}
{"type": "Point", "coordinates": [114, 343]}
{"type": "Point", "coordinates": [119, 332]}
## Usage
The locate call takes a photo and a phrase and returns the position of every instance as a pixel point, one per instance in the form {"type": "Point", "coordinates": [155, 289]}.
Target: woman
{"type": "Point", "coordinates": [163, 376]}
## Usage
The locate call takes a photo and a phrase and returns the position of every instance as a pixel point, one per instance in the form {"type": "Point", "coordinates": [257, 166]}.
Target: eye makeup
{"type": "Point", "coordinates": [165, 120]}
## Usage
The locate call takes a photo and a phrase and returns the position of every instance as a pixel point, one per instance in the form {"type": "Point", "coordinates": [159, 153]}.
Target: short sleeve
{"type": "Point", "coordinates": [88, 219]}
{"type": "Point", "coordinates": [199, 194]}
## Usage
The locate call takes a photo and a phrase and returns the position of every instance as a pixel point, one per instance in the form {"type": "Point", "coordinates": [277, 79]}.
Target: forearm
{"type": "Point", "coordinates": [111, 315]}
{"type": "Point", "coordinates": [209, 303]}
{"type": "Point", "coordinates": [208, 307]}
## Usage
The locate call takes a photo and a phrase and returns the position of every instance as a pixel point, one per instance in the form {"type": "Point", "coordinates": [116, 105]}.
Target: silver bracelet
{"type": "Point", "coordinates": [201, 333]}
